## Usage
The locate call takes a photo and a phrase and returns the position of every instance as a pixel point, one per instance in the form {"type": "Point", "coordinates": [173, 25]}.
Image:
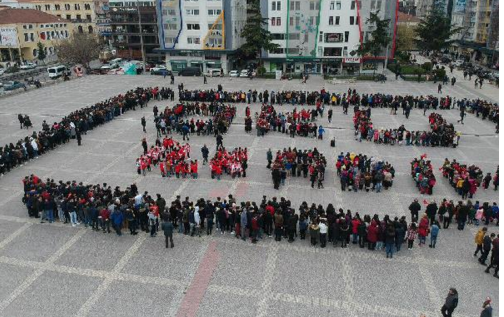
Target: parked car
{"type": "Point", "coordinates": [458, 63]}
{"type": "Point", "coordinates": [28, 65]}
{"type": "Point", "coordinates": [13, 85]}
{"type": "Point", "coordinates": [234, 73]}
{"type": "Point", "coordinates": [2, 71]}
{"type": "Point", "coordinates": [109, 66]}
{"type": "Point", "coordinates": [213, 72]}
{"type": "Point", "coordinates": [160, 70]}
{"type": "Point", "coordinates": [190, 71]}
{"type": "Point", "coordinates": [247, 73]}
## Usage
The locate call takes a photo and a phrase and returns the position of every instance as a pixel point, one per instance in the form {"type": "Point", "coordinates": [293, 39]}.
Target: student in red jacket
{"type": "Point", "coordinates": [194, 169]}
{"type": "Point", "coordinates": [372, 235]}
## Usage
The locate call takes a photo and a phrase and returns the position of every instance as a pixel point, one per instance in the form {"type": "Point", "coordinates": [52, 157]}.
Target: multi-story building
{"type": "Point", "coordinates": [323, 36]}
{"type": "Point", "coordinates": [82, 13]}
{"type": "Point", "coordinates": [200, 33]}
{"type": "Point", "coordinates": [130, 22]}
{"type": "Point", "coordinates": [22, 29]}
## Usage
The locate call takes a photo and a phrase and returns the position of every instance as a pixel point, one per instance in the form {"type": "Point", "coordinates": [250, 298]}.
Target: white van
{"type": "Point", "coordinates": [57, 71]}
{"type": "Point", "coordinates": [213, 72]}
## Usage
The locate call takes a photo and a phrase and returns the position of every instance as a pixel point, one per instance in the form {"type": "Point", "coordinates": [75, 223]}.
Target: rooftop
{"type": "Point", "coordinates": [13, 16]}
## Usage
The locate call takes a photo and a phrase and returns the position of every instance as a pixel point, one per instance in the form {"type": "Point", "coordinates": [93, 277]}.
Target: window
{"type": "Point", "coordinates": [373, 4]}
{"type": "Point", "coordinates": [321, 36]}
{"type": "Point", "coordinates": [279, 5]}
{"type": "Point", "coordinates": [170, 26]}
{"type": "Point", "coordinates": [378, 4]}
{"type": "Point", "coordinates": [273, 20]}
{"type": "Point", "coordinates": [352, 20]}
{"type": "Point", "coordinates": [38, 7]}
{"type": "Point", "coordinates": [312, 5]}
{"type": "Point", "coordinates": [88, 17]}
{"type": "Point", "coordinates": [26, 37]}
{"type": "Point", "coordinates": [333, 37]}
{"type": "Point", "coordinates": [87, 6]}
{"type": "Point", "coordinates": [214, 12]}
{"type": "Point", "coordinates": [193, 26]}
{"type": "Point", "coordinates": [331, 6]}
{"type": "Point", "coordinates": [331, 20]}
{"type": "Point", "coordinates": [34, 52]}
{"type": "Point", "coordinates": [298, 20]}
{"type": "Point", "coordinates": [292, 5]}
{"type": "Point", "coordinates": [48, 7]}
{"type": "Point", "coordinates": [68, 17]}
{"type": "Point", "coordinates": [352, 5]}
{"type": "Point", "coordinates": [312, 21]}
{"type": "Point", "coordinates": [193, 12]}
{"type": "Point", "coordinates": [32, 37]}
{"type": "Point", "coordinates": [77, 6]}
{"type": "Point", "coordinates": [57, 7]}
{"type": "Point", "coordinates": [273, 5]}
{"type": "Point", "coordinates": [336, 20]}
{"type": "Point", "coordinates": [67, 6]}
{"type": "Point", "coordinates": [347, 35]}
{"type": "Point", "coordinates": [338, 5]}
{"type": "Point", "coordinates": [279, 21]}
{"type": "Point", "coordinates": [78, 17]}
{"type": "Point", "coordinates": [278, 51]}
{"type": "Point", "coordinates": [298, 5]}
{"type": "Point", "coordinates": [277, 36]}
{"type": "Point", "coordinates": [291, 21]}
{"type": "Point", "coordinates": [193, 40]}
{"type": "Point", "coordinates": [332, 51]}
{"type": "Point", "coordinates": [293, 50]}
{"type": "Point", "coordinates": [294, 36]}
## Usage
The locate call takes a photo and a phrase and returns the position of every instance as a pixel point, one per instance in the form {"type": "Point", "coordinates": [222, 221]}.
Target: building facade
{"type": "Point", "coordinates": [129, 22]}
{"type": "Point", "coordinates": [22, 29]}
{"type": "Point", "coordinates": [200, 33]}
{"type": "Point", "coordinates": [82, 13]}
{"type": "Point", "coordinates": [323, 36]}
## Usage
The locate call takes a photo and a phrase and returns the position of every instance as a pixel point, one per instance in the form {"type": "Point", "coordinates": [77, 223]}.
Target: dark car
{"type": "Point", "coordinates": [190, 71]}
{"type": "Point", "coordinates": [13, 85]}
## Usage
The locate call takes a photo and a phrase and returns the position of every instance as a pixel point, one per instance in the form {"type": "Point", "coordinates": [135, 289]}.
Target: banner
{"type": "Point", "coordinates": [8, 36]}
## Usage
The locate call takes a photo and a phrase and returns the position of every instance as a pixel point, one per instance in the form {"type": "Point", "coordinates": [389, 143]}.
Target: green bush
{"type": "Point", "coordinates": [261, 71]}
{"type": "Point", "coordinates": [267, 76]}
{"type": "Point", "coordinates": [440, 73]}
{"type": "Point", "coordinates": [427, 66]}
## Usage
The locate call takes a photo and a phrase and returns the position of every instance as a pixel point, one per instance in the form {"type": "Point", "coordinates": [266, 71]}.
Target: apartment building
{"type": "Point", "coordinates": [322, 36]}
{"type": "Point", "coordinates": [22, 29]}
{"type": "Point", "coordinates": [82, 13]}
{"type": "Point", "coordinates": [200, 33]}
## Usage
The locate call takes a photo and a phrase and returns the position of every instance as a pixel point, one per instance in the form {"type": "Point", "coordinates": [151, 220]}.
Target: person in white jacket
{"type": "Point", "coordinates": [197, 220]}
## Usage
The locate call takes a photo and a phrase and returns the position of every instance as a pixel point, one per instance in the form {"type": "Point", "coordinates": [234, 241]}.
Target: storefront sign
{"type": "Point", "coordinates": [351, 60]}
{"type": "Point", "coordinates": [333, 37]}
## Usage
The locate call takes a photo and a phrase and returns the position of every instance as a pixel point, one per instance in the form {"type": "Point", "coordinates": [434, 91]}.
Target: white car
{"type": "Point", "coordinates": [234, 73]}
{"type": "Point", "coordinates": [244, 73]}
{"type": "Point", "coordinates": [28, 65]}
{"type": "Point", "coordinates": [458, 63]}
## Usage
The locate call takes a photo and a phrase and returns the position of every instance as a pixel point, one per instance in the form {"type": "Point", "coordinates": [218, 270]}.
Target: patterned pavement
{"type": "Point", "coordinates": [57, 270]}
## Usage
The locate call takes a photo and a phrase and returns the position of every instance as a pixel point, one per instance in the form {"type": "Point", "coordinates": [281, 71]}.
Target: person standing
{"type": "Point", "coordinates": [167, 227]}
{"type": "Point", "coordinates": [269, 157]}
{"type": "Point", "coordinates": [323, 233]}
{"type": "Point", "coordinates": [78, 135]}
{"type": "Point", "coordinates": [219, 139]}
{"type": "Point", "coordinates": [144, 123]}
{"type": "Point", "coordinates": [487, 246]}
{"type": "Point", "coordinates": [414, 209]}
{"type": "Point", "coordinates": [329, 115]}
{"type": "Point", "coordinates": [440, 89]}
{"type": "Point", "coordinates": [204, 79]}
{"type": "Point", "coordinates": [451, 303]}
{"type": "Point", "coordinates": [390, 236]}
{"type": "Point", "coordinates": [21, 121]}
{"type": "Point", "coordinates": [204, 153]}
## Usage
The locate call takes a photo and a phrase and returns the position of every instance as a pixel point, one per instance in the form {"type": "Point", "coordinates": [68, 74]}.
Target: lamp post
{"type": "Point", "coordinates": [141, 35]}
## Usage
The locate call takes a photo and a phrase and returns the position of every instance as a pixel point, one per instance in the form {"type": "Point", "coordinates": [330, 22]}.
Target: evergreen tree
{"type": "Point", "coordinates": [434, 32]}
{"type": "Point", "coordinates": [41, 55]}
{"type": "Point", "coordinates": [256, 35]}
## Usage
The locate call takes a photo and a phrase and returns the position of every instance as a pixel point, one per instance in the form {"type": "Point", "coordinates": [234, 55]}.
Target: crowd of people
{"type": "Point", "coordinates": [172, 119]}
{"type": "Point", "coordinates": [171, 156]}
{"type": "Point", "coordinates": [442, 132]}
{"type": "Point", "coordinates": [74, 126]}
{"type": "Point", "coordinates": [233, 163]}
{"type": "Point", "coordinates": [102, 208]}
{"type": "Point", "coordinates": [297, 122]}
{"type": "Point", "coordinates": [464, 179]}
{"type": "Point", "coordinates": [296, 162]}
{"type": "Point", "coordinates": [358, 172]}
{"type": "Point", "coordinates": [423, 174]}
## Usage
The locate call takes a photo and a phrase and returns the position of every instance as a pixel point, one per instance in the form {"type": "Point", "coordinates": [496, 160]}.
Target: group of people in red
{"type": "Point", "coordinates": [170, 155]}
{"type": "Point", "coordinates": [296, 122]}
{"type": "Point", "coordinates": [233, 163]}
{"type": "Point", "coordinates": [362, 123]}
{"type": "Point", "coordinates": [423, 174]}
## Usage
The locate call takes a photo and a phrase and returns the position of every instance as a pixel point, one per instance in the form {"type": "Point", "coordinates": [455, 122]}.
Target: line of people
{"type": "Point", "coordinates": [73, 126]}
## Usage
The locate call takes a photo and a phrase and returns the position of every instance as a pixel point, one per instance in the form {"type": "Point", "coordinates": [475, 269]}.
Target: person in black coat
{"type": "Point", "coordinates": [414, 209]}
{"type": "Point", "coordinates": [431, 211]}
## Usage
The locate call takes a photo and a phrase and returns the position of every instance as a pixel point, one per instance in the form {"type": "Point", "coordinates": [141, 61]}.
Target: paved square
{"type": "Point", "coordinates": [57, 270]}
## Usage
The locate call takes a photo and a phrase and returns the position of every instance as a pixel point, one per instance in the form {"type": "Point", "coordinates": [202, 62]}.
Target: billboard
{"type": "Point", "coordinates": [8, 36]}
{"type": "Point", "coordinates": [333, 37]}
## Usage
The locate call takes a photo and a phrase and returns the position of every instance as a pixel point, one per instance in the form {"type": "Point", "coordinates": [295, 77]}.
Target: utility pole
{"type": "Point", "coordinates": [141, 35]}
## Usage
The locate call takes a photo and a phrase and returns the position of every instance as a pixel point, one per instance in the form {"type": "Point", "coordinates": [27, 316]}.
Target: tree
{"type": "Point", "coordinates": [435, 32]}
{"type": "Point", "coordinates": [257, 37]}
{"type": "Point", "coordinates": [80, 48]}
{"type": "Point", "coordinates": [380, 37]}
{"type": "Point", "coordinates": [405, 39]}
{"type": "Point", "coordinates": [41, 54]}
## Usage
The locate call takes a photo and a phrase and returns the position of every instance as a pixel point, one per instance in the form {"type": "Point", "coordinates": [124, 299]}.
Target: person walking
{"type": "Point", "coordinates": [487, 308]}
{"type": "Point", "coordinates": [204, 153]}
{"type": "Point", "coordinates": [144, 123]}
{"type": "Point", "coordinates": [450, 304]}
{"type": "Point", "coordinates": [440, 89]}
{"type": "Point", "coordinates": [487, 246]}
{"type": "Point", "coordinates": [434, 231]}
{"type": "Point", "coordinates": [167, 227]}
{"type": "Point", "coordinates": [204, 80]}
{"type": "Point", "coordinates": [269, 157]}
{"type": "Point", "coordinates": [329, 115]}
{"type": "Point", "coordinates": [219, 139]}
{"type": "Point", "coordinates": [414, 208]}
{"type": "Point", "coordinates": [478, 239]}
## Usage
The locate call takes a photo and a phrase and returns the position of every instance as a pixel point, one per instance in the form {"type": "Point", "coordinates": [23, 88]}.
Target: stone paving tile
{"type": "Point", "coordinates": [216, 304]}
{"type": "Point", "coordinates": [47, 298]}
{"type": "Point", "coordinates": [133, 299]}
{"type": "Point", "coordinates": [11, 276]}
{"type": "Point", "coordinates": [38, 242]}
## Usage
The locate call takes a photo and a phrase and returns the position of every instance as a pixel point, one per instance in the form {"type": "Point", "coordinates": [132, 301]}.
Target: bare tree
{"type": "Point", "coordinates": [80, 48]}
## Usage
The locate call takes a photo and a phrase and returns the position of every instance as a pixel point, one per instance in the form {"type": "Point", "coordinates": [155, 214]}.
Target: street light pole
{"type": "Point", "coordinates": [141, 35]}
